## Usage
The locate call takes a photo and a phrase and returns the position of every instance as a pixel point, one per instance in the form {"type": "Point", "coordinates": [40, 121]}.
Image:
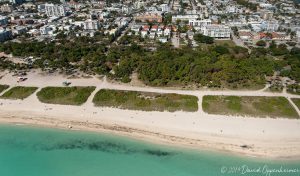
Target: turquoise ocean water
{"type": "Point", "coordinates": [31, 151]}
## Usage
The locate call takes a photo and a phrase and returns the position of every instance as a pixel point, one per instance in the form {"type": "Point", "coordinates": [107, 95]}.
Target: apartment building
{"type": "Point", "coordinates": [270, 26]}
{"type": "Point", "coordinates": [266, 14]}
{"type": "Point", "coordinates": [216, 31]}
{"type": "Point", "coordinates": [184, 18]}
{"type": "Point", "coordinates": [91, 24]}
{"type": "Point", "coordinates": [199, 23]}
{"type": "Point", "coordinates": [55, 10]}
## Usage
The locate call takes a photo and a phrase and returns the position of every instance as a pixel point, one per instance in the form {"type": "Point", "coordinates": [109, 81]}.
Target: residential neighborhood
{"type": "Point", "coordinates": [248, 21]}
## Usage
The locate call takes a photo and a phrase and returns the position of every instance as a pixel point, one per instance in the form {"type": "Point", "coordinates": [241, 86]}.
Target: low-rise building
{"type": "Point", "coordinates": [152, 35]}
{"type": "Point", "coordinates": [144, 32]}
{"type": "Point", "coordinates": [216, 31]}
{"type": "Point", "coordinates": [41, 8]}
{"type": "Point", "coordinates": [3, 20]}
{"type": "Point", "coordinates": [149, 17]}
{"type": "Point", "coordinates": [66, 27]}
{"type": "Point", "coordinates": [199, 23]}
{"type": "Point", "coordinates": [121, 22]}
{"type": "Point", "coordinates": [146, 27]}
{"type": "Point", "coordinates": [154, 28]}
{"type": "Point", "coordinates": [126, 9]}
{"type": "Point", "coordinates": [45, 30]}
{"type": "Point", "coordinates": [280, 36]}
{"type": "Point", "coordinates": [266, 14]}
{"type": "Point", "coordinates": [184, 18]}
{"type": "Point", "coordinates": [160, 31]}
{"type": "Point", "coordinates": [19, 30]}
{"type": "Point", "coordinates": [256, 26]}
{"type": "Point", "coordinates": [136, 28]}
{"type": "Point", "coordinates": [245, 34]}
{"type": "Point", "coordinates": [163, 39]}
{"type": "Point", "coordinates": [164, 7]}
{"type": "Point", "coordinates": [6, 8]}
{"type": "Point", "coordinates": [5, 35]}
{"type": "Point", "coordinates": [167, 31]}
{"type": "Point", "coordinates": [270, 26]}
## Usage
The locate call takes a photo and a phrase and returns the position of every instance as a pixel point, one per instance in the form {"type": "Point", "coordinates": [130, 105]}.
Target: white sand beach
{"type": "Point", "coordinates": [260, 137]}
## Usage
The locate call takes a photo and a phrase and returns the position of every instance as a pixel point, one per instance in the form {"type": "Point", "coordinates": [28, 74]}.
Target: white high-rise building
{"type": "Point", "coordinates": [55, 10]}
{"type": "Point", "coordinates": [91, 24]}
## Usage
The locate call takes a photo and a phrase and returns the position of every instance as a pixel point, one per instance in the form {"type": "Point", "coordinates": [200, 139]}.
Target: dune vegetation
{"type": "Point", "coordinates": [145, 101]}
{"type": "Point", "coordinates": [3, 87]}
{"type": "Point", "coordinates": [65, 95]}
{"type": "Point", "coordinates": [249, 106]}
{"type": "Point", "coordinates": [19, 92]}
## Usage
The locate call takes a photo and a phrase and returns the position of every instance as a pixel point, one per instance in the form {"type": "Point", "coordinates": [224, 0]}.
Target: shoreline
{"type": "Point", "coordinates": [247, 136]}
{"type": "Point", "coordinates": [153, 137]}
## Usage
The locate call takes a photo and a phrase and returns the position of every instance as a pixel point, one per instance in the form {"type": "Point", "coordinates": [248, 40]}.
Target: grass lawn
{"type": "Point", "coordinates": [145, 101]}
{"type": "Point", "coordinates": [249, 106]}
{"type": "Point", "coordinates": [19, 92]}
{"type": "Point", "coordinates": [297, 102]}
{"type": "Point", "coordinates": [3, 87]}
{"type": "Point", "coordinates": [225, 42]}
{"type": "Point", "coordinates": [65, 95]}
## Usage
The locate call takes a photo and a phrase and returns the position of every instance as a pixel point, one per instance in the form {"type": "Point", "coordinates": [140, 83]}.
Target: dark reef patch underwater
{"type": "Point", "coordinates": [101, 146]}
